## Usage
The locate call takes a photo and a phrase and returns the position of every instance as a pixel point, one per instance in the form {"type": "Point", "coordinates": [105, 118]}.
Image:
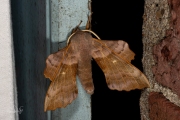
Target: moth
{"type": "Point", "coordinates": [113, 57]}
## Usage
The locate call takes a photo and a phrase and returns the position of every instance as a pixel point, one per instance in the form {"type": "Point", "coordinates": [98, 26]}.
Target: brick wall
{"type": "Point", "coordinates": [161, 59]}
{"type": "Point", "coordinates": [161, 108]}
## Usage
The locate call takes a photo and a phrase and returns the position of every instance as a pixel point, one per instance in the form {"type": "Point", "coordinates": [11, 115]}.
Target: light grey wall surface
{"type": "Point", "coordinates": [8, 95]}
{"type": "Point", "coordinates": [65, 15]}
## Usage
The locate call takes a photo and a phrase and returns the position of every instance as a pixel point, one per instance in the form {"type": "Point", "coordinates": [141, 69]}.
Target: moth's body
{"type": "Point", "coordinates": [113, 57]}
{"type": "Point", "coordinates": [82, 42]}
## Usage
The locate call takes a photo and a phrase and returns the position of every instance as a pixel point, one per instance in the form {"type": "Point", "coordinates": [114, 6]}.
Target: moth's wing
{"type": "Point", "coordinates": [120, 74]}
{"type": "Point", "coordinates": [61, 68]}
{"type": "Point", "coordinates": [53, 62]}
{"type": "Point", "coordinates": [121, 48]}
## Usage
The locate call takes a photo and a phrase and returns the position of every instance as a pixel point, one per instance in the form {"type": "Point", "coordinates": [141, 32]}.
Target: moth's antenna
{"type": "Point", "coordinates": [76, 28]}
{"type": "Point", "coordinates": [92, 33]}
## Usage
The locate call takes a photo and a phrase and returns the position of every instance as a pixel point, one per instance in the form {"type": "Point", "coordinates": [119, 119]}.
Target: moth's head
{"type": "Point", "coordinates": [76, 35]}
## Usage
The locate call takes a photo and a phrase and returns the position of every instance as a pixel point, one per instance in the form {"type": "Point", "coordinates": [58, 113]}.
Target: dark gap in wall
{"type": "Point", "coordinates": [117, 20]}
{"type": "Point", "coordinates": [29, 40]}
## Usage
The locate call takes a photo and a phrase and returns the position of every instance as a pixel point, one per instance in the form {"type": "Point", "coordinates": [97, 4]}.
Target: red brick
{"type": "Point", "coordinates": [167, 52]}
{"type": "Point", "coordinates": [161, 108]}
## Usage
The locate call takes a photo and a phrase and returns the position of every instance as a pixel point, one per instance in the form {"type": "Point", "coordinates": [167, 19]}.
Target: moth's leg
{"type": "Point", "coordinates": [88, 24]}
{"type": "Point", "coordinates": [76, 28]}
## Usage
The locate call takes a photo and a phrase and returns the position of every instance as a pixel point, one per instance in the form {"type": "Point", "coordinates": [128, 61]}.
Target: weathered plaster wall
{"type": "Point", "coordinates": [161, 57]}
{"type": "Point", "coordinates": [8, 93]}
{"type": "Point", "coordinates": [65, 15]}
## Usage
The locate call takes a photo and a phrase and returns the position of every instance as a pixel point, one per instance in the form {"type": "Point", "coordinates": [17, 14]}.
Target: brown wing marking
{"type": "Point", "coordinates": [62, 90]}
{"type": "Point", "coordinates": [53, 62]}
{"type": "Point", "coordinates": [121, 48]}
{"type": "Point", "coordinates": [119, 73]}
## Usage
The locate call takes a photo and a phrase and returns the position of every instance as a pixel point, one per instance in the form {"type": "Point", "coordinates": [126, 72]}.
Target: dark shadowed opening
{"type": "Point", "coordinates": [117, 20]}
{"type": "Point", "coordinates": [30, 49]}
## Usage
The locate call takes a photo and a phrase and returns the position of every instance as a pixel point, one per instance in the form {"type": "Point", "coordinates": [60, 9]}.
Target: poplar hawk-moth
{"type": "Point", "coordinates": [113, 57]}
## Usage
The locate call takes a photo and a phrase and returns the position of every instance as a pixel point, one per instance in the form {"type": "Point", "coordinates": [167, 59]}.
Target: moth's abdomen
{"type": "Point", "coordinates": [85, 76]}
{"type": "Point", "coordinates": [84, 61]}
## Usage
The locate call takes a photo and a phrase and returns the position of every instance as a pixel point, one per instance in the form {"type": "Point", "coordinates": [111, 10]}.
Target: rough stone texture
{"type": "Point", "coordinates": [161, 108]}
{"type": "Point", "coordinates": [154, 30]}
{"type": "Point", "coordinates": [161, 60]}
{"type": "Point", "coordinates": [156, 22]}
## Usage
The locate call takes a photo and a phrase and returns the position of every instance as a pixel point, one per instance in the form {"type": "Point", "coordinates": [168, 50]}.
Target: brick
{"type": "Point", "coordinates": [167, 52]}
{"type": "Point", "coordinates": [161, 108]}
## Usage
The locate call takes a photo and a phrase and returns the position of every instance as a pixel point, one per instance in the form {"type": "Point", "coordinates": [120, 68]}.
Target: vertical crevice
{"type": "Point", "coordinates": [120, 20]}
